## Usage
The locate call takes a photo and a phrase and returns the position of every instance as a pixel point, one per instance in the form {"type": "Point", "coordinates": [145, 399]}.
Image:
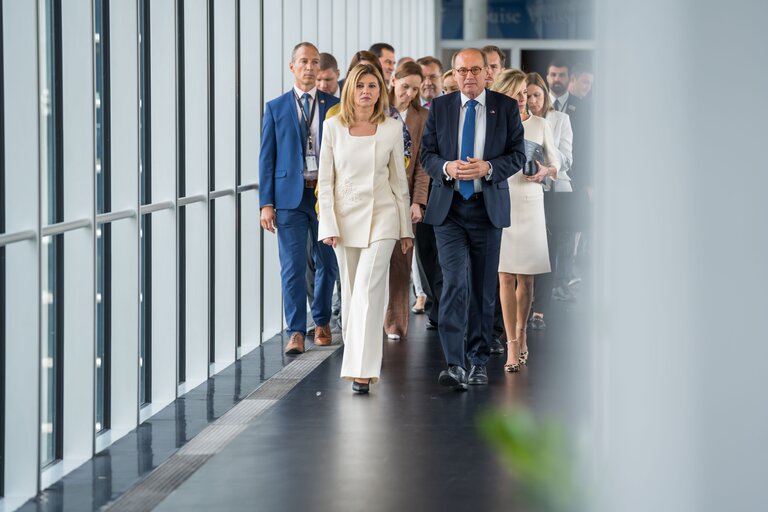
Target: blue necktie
{"type": "Point", "coordinates": [305, 120]}
{"type": "Point", "coordinates": [467, 187]}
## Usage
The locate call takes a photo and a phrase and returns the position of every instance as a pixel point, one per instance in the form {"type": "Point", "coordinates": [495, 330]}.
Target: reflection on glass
{"type": "Point", "coordinates": [103, 327]}
{"type": "Point", "coordinates": [145, 322]}
{"type": "Point", "coordinates": [145, 186]}
{"type": "Point", "coordinates": [101, 103]}
{"type": "Point", "coordinates": [51, 311]}
{"type": "Point", "coordinates": [52, 211]}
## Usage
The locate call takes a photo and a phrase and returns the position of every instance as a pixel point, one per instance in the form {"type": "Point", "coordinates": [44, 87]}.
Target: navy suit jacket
{"type": "Point", "coordinates": [281, 160]}
{"type": "Point", "coordinates": [504, 149]}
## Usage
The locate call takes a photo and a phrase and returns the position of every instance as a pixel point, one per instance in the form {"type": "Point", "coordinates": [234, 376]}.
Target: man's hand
{"type": "Point", "coordinates": [473, 169]}
{"type": "Point", "coordinates": [405, 244]}
{"type": "Point", "coordinates": [268, 218]}
{"type": "Point", "coordinates": [331, 240]}
{"type": "Point", "coordinates": [416, 214]}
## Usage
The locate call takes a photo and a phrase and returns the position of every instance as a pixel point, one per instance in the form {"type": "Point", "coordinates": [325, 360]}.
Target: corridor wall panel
{"type": "Point", "coordinates": [275, 67]}
{"type": "Point", "coordinates": [251, 74]}
{"type": "Point", "coordinates": [325, 27]}
{"type": "Point", "coordinates": [79, 289]}
{"type": "Point", "coordinates": [123, 106]}
{"type": "Point", "coordinates": [340, 27]}
{"type": "Point", "coordinates": [196, 179]}
{"type": "Point", "coordinates": [163, 99]}
{"type": "Point", "coordinates": [309, 12]}
{"type": "Point", "coordinates": [163, 173]}
{"type": "Point", "coordinates": [124, 297]}
{"type": "Point", "coordinates": [22, 164]}
{"type": "Point", "coordinates": [224, 207]}
{"type": "Point", "coordinates": [132, 221]}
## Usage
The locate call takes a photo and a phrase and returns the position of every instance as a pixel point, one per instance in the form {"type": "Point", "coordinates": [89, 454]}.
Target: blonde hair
{"type": "Point", "coordinates": [510, 82]}
{"type": "Point", "coordinates": [347, 113]}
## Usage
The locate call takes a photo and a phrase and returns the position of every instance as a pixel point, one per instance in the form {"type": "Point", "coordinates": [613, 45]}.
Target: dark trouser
{"type": "Point", "coordinates": [293, 227]}
{"type": "Point", "coordinates": [561, 246]}
{"type": "Point", "coordinates": [429, 266]}
{"type": "Point", "coordinates": [468, 247]}
{"type": "Point", "coordinates": [309, 277]}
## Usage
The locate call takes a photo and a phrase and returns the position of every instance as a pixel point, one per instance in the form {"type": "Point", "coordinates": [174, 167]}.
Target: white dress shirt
{"type": "Point", "coordinates": [562, 99]}
{"type": "Point", "coordinates": [479, 136]}
{"type": "Point", "coordinates": [314, 128]}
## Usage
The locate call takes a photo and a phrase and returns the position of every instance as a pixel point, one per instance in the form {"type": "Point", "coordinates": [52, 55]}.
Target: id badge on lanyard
{"type": "Point", "coordinates": [310, 159]}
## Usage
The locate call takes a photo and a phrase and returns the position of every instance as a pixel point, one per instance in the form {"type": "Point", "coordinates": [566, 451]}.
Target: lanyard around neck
{"type": "Point", "coordinates": [307, 122]}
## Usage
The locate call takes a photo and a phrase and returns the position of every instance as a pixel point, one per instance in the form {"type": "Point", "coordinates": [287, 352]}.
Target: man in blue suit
{"type": "Point", "coordinates": [472, 143]}
{"type": "Point", "coordinates": [290, 148]}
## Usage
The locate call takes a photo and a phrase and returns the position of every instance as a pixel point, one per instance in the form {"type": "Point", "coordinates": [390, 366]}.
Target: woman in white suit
{"type": "Point", "coordinates": [364, 212]}
{"type": "Point", "coordinates": [524, 250]}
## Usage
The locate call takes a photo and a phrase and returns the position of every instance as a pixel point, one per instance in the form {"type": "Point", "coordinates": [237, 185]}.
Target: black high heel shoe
{"type": "Point", "coordinates": [360, 388]}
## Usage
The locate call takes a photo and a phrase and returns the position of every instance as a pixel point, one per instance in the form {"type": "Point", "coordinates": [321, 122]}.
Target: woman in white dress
{"type": "Point", "coordinates": [524, 251]}
{"type": "Point", "coordinates": [364, 211]}
{"type": "Point", "coordinates": [561, 243]}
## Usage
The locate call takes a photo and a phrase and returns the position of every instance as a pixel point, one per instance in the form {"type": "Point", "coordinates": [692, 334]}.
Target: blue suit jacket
{"type": "Point", "coordinates": [281, 160]}
{"type": "Point", "coordinates": [504, 149]}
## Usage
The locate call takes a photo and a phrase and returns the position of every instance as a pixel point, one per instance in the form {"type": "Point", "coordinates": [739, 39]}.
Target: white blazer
{"type": "Point", "coordinates": [362, 189]}
{"type": "Point", "coordinates": [563, 141]}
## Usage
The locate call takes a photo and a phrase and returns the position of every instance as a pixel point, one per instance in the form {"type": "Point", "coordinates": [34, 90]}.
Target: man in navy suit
{"type": "Point", "coordinates": [290, 148]}
{"type": "Point", "coordinates": [472, 143]}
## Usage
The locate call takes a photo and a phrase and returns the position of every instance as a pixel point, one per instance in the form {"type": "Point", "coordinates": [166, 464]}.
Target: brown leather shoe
{"type": "Point", "coordinates": [295, 344]}
{"type": "Point", "coordinates": [323, 336]}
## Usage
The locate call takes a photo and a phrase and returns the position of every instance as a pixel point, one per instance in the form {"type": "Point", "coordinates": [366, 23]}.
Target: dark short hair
{"type": "Point", "coordinates": [328, 61]}
{"type": "Point", "coordinates": [580, 68]}
{"type": "Point", "coordinates": [559, 63]}
{"type": "Point", "coordinates": [490, 48]}
{"type": "Point", "coordinates": [429, 60]}
{"type": "Point", "coordinates": [377, 48]}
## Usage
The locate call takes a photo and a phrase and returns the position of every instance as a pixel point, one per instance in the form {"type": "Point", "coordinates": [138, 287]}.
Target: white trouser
{"type": "Point", "coordinates": [364, 277]}
{"type": "Point", "coordinates": [418, 289]}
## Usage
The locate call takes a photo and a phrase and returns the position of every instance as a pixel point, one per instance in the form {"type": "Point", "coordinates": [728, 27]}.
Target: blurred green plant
{"type": "Point", "coordinates": [536, 453]}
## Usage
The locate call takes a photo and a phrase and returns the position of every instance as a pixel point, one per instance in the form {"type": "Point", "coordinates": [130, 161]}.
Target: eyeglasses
{"type": "Point", "coordinates": [474, 69]}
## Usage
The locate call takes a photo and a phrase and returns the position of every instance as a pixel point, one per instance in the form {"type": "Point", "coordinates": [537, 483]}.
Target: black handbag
{"type": "Point", "coordinates": [533, 153]}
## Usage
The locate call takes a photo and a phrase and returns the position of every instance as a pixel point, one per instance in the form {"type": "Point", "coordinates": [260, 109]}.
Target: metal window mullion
{"type": "Point", "coordinates": [238, 244]}
{"type": "Point", "coordinates": [211, 183]}
{"type": "Point", "coordinates": [180, 192]}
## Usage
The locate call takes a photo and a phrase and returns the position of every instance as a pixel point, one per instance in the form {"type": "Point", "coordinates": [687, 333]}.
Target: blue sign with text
{"type": "Point", "coordinates": [525, 19]}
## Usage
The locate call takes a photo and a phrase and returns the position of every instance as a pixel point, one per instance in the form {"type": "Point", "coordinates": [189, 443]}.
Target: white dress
{"type": "Point", "coordinates": [524, 243]}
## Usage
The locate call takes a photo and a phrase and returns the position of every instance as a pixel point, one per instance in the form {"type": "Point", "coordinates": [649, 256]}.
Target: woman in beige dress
{"type": "Point", "coordinates": [364, 213]}
{"type": "Point", "coordinates": [404, 96]}
{"type": "Point", "coordinates": [524, 251]}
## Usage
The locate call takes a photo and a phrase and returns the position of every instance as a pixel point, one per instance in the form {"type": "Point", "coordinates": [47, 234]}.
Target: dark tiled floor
{"type": "Point", "coordinates": [118, 468]}
{"type": "Point", "coordinates": [409, 445]}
